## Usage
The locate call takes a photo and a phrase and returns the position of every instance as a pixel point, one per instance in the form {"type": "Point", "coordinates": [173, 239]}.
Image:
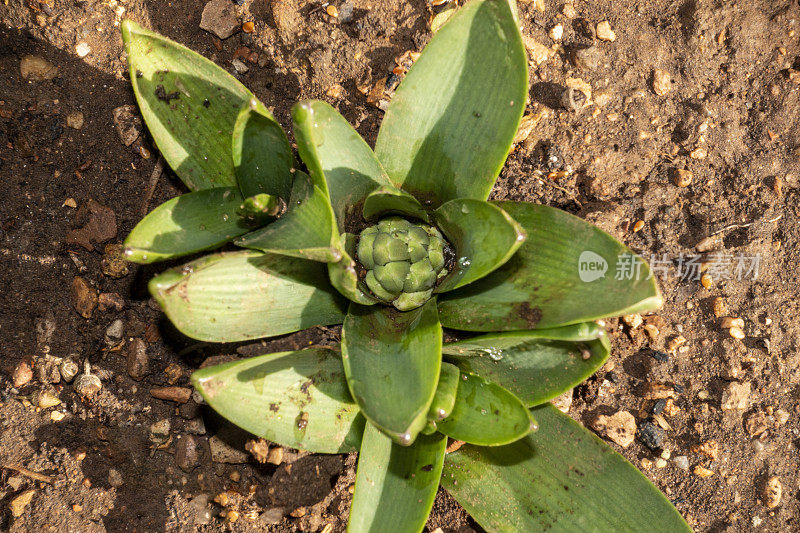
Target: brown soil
{"type": "Point", "coordinates": [733, 92]}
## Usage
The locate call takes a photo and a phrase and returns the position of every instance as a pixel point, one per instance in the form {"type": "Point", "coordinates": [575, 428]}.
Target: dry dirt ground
{"type": "Point", "coordinates": [725, 108]}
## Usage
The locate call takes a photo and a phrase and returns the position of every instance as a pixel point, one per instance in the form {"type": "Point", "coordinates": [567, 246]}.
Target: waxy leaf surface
{"type": "Point", "coordinates": [392, 363]}
{"type": "Point", "coordinates": [190, 223]}
{"type": "Point", "coordinates": [262, 155]}
{"type": "Point", "coordinates": [484, 237]}
{"type": "Point", "coordinates": [561, 478]}
{"type": "Point", "coordinates": [450, 124]}
{"type": "Point", "coordinates": [339, 160]}
{"type": "Point", "coordinates": [297, 399]}
{"type": "Point", "coordinates": [343, 274]}
{"type": "Point", "coordinates": [306, 230]}
{"type": "Point", "coordinates": [395, 485]}
{"type": "Point", "coordinates": [486, 414]}
{"type": "Point", "coordinates": [445, 398]}
{"type": "Point", "coordinates": [190, 106]}
{"type": "Point", "coordinates": [239, 296]}
{"type": "Point", "coordinates": [556, 278]}
{"type": "Point", "coordinates": [535, 365]}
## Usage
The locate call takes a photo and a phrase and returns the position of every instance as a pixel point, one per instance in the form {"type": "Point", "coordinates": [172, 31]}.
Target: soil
{"type": "Point", "coordinates": [728, 113]}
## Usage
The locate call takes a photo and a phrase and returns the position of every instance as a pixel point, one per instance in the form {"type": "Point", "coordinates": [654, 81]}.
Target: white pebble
{"type": "Point", "coordinates": [82, 49]}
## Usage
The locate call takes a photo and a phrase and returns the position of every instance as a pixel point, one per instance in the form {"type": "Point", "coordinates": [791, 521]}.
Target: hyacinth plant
{"type": "Point", "coordinates": [395, 244]}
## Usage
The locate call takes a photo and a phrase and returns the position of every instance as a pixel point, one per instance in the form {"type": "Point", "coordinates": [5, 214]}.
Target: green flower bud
{"type": "Point", "coordinates": [403, 261]}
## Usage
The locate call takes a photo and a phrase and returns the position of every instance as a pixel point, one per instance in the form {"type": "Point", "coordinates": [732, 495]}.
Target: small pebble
{"type": "Point", "coordinates": [248, 27]}
{"type": "Point", "coordinates": [115, 478]}
{"type": "Point", "coordinates": [172, 394]}
{"type": "Point", "coordinates": [18, 504]}
{"type": "Point", "coordinates": [138, 362]}
{"type": "Point", "coordinates": [202, 514]}
{"type": "Point", "coordinates": [604, 32]}
{"type": "Point", "coordinates": [736, 396]}
{"type": "Point", "coordinates": [82, 49]}
{"type": "Point", "coordinates": [701, 152]}
{"type": "Point", "coordinates": [731, 322]}
{"type": "Point", "coordinates": [660, 463]}
{"type": "Point", "coordinates": [35, 68]}
{"type": "Point", "coordinates": [757, 446]}
{"type": "Point", "coordinates": [771, 492]}
{"type": "Point", "coordinates": [662, 82]}
{"type": "Point", "coordinates": [114, 333]}
{"type": "Point", "coordinates": [720, 308]}
{"type": "Point", "coordinates": [701, 471]}
{"type": "Point", "coordinates": [681, 461]}
{"type": "Point", "coordinates": [187, 454]}
{"type": "Point", "coordinates": [736, 332]}
{"type": "Point", "coordinates": [683, 178]}
{"type": "Point", "coordinates": [563, 402]}
{"type": "Point", "coordinates": [22, 374]}
{"type": "Point", "coordinates": [68, 370]}
{"type": "Point", "coordinates": [619, 428]}
{"type": "Point", "coordinates": [159, 431]}
{"type": "Point", "coordinates": [275, 456]}
{"type": "Point", "coordinates": [556, 32]}
{"type": "Point", "coordinates": [75, 120]}
{"type": "Point", "coordinates": [332, 10]}
{"type": "Point", "coordinates": [706, 281]}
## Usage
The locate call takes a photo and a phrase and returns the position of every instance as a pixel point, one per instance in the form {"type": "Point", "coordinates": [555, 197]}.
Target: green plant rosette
{"type": "Point", "coordinates": [395, 243]}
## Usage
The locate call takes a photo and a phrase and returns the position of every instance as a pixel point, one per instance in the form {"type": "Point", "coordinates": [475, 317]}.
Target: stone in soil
{"type": "Point", "coordinates": [681, 461]}
{"type": "Point", "coordinates": [651, 435]}
{"type": "Point", "coordinates": [114, 333]}
{"type": "Point", "coordinates": [172, 394]}
{"type": "Point", "coordinates": [75, 120]}
{"type": "Point", "coordinates": [187, 453]}
{"type": "Point", "coordinates": [604, 32]}
{"type": "Point", "coordinates": [222, 452]}
{"type": "Point", "coordinates": [84, 297]}
{"type": "Point", "coordinates": [22, 374]}
{"type": "Point", "coordinates": [736, 396]}
{"type": "Point", "coordinates": [128, 123]}
{"type": "Point", "coordinates": [114, 264]}
{"type": "Point", "coordinates": [219, 17]}
{"type": "Point", "coordinates": [100, 226]}
{"type": "Point", "coordinates": [18, 504]}
{"type": "Point", "coordinates": [35, 68]}
{"type": "Point", "coordinates": [159, 431]}
{"type": "Point", "coordinates": [138, 362]}
{"type": "Point", "coordinates": [619, 428]}
{"type": "Point", "coordinates": [756, 424]}
{"type": "Point", "coordinates": [662, 82]}
{"type": "Point", "coordinates": [115, 478]}
{"type": "Point", "coordinates": [258, 448]}
{"type": "Point", "coordinates": [563, 402]}
{"type": "Point", "coordinates": [771, 492]}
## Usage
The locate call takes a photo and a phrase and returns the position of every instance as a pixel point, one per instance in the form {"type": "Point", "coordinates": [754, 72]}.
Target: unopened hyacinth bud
{"type": "Point", "coordinates": [403, 261]}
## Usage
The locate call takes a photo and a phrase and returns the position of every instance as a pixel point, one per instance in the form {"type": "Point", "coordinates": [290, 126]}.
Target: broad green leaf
{"type": "Point", "coordinates": [297, 399]}
{"type": "Point", "coordinates": [239, 296]}
{"type": "Point", "coordinates": [306, 230]}
{"type": "Point", "coordinates": [535, 365]}
{"type": "Point", "coordinates": [343, 274]}
{"type": "Point", "coordinates": [486, 414]}
{"type": "Point", "coordinates": [445, 398]}
{"type": "Point", "coordinates": [450, 124]}
{"type": "Point", "coordinates": [189, 104]}
{"type": "Point", "coordinates": [262, 155]}
{"type": "Point", "coordinates": [187, 224]}
{"type": "Point", "coordinates": [543, 286]}
{"type": "Point", "coordinates": [338, 159]}
{"type": "Point", "coordinates": [392, 361]}
{"type": "Point", "coordinates": [395, 485]}
{"type": "Point", "coordinates": [484, 237]}
{"type": "Point", "coordinates": [391, 201]}
{"type": "Point", "coordinates": [560, 479]}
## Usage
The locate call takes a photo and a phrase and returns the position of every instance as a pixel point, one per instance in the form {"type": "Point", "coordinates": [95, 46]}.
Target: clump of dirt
{"type": "Point", "coordinates": [678, 135]}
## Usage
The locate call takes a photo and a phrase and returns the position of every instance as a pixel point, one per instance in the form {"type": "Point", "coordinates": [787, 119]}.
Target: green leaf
{"type": "Point", "coordinates": [450, 124]}
{"type": "Point", "coordinates": [484, 236]}
{"type": "Point", "coordinates": [541, 286]}
{"type": "Point", "coordinates": [262, 155]}
{"type": "Point", "coordinates": [189, 103]}
{"type": "Point", "coordinates": [187, 224]}
{"type": "Point", "coordinates": [306, 230]}
{"type": "Point", "coordinates": [560, 479]}
{"type": "Point", "coordinates": [297, 399]}
{"type": "Point", "coordinates": [445, 398]}
{"type": "Point", "coordinates": [486, 414]}
{"type": "Point", "coordinates": [343, 274]}
{"type": "Point", "coordinates": [535, 365]}
{"type": "Point", "coordinates": [395, 485]}
{"type": "Point", "coordinates": [391, 201]}
{"type": "Point", "coordinates": [239, 296]}
{"type": "Point", "coordinates": [392, 361]}
{"type": "Point", "coordinates": [338, 159]}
